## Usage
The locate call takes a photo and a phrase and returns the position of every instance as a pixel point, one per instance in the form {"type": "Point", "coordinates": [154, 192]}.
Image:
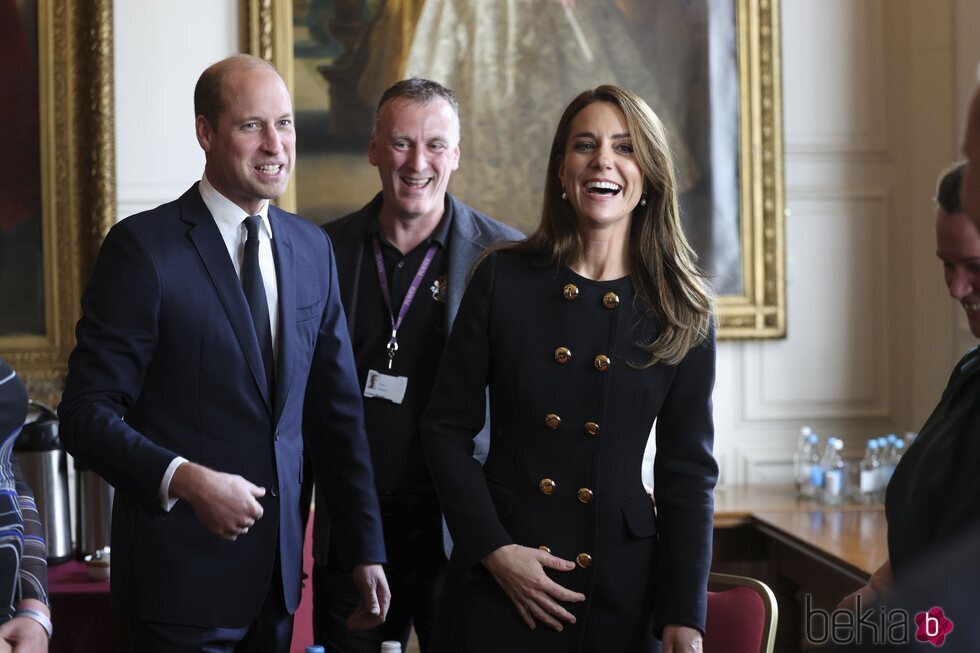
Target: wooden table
{"type": "Point", "coordinates": [800, 548]}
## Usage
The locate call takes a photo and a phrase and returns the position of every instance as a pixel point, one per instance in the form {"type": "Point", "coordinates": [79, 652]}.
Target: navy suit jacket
{"type": "Point", "coordinates": [167, 364]}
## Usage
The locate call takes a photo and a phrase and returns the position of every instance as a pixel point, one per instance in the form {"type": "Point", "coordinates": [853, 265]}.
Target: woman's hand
{"type": "Point", "coordinates": [25, 635]}
{"type": "Point", "coordinates": [520, 571]}
{"type": "Point", "coordinates": [681, 639]}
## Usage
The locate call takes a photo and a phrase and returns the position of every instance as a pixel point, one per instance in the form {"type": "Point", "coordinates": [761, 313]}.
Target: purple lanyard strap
{"type": "Point", "coordinates": [409, 296]}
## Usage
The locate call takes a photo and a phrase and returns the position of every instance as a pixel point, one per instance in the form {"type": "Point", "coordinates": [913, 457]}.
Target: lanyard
{"type": "Point", "coordinates": [409, 296]}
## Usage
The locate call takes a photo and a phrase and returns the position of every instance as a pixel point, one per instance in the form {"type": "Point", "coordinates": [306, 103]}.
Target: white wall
{"type": "Point", "coordinates": [160, 49]}
{"type": "Point", "coordinates": [874, 97]}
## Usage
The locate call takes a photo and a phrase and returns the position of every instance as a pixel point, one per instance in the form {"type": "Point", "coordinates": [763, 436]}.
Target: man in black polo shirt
{"type": "Point", "coordinates": [402, 262]}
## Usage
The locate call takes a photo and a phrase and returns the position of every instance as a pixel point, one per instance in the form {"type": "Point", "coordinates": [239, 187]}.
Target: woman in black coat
{"type": "Point", "coordinates": [586, 333]}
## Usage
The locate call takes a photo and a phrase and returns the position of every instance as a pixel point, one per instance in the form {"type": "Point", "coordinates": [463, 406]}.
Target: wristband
{"type": "Point", "coordinates": [37, 616]}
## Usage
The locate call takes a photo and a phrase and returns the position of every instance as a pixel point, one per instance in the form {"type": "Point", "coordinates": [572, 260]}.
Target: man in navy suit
{"type": "Point", "coordinates": [209, 322]}
{"type": "Point", "coordinates": [412, 234]}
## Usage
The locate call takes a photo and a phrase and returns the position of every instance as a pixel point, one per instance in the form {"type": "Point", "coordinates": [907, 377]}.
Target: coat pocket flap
{"type": "Point", "coordinates": [640, 517]}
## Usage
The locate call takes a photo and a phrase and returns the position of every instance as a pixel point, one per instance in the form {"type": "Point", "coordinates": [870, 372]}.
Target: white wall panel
{"type": "Point", "coordinates": [834, 70]}
{"type": "Point", "coordinates": [834, 362]}
{"type": "Point", "coordinates": [161, 49]}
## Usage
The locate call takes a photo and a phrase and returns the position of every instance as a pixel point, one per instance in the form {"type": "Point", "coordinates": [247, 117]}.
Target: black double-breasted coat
{"type": "Point", "coordinates": [571, 413]}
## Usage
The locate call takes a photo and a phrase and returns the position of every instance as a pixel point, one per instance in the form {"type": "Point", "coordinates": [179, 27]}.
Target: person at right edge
{"type": "Point", "coordinates": [934, 494]}
{"type": "Point", "coordinates": [597, 326]}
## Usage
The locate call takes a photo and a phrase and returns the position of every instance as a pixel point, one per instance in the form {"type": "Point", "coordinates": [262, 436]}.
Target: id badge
{"type": "Point", "coordinates": [385, 386]}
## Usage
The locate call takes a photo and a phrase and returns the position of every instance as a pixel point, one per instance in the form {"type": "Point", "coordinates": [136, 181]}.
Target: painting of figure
{"type": "Point", "coordinates": [514, 64]}
{"type": "Point", "coordinates": [21, 255]}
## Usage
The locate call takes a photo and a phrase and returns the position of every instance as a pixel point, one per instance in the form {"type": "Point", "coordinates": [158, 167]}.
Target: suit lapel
{"type": "Point", "coordinates": [348, 238]}
{"type": "Point", "coordinates": [464, 247]}
{"type": "Point", "coordinates": [211, 248]}
{"type": "Point", "coordinates": [282, 248]}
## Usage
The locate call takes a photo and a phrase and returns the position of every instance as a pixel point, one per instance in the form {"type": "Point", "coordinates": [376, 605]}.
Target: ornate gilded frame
{"type": "Point", "coordinates": [77, 178]}
{"type": "Point", "coordinates": [759, 311]}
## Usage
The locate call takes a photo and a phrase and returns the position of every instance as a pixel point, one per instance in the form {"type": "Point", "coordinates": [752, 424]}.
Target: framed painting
{"type": "Point", "coordinates": [710, 69]}
{"type": "Point", "coordinates": [57, 177]}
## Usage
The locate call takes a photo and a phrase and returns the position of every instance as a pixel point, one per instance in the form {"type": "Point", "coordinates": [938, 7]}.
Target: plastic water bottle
{"type": "Point", "coordinates": [833, 472]}
{"type": "Point", "coordinates": [887, 457]}
{"type": "Point", "coordinates": [804, 460]}
{"type": "Point", "coordinates": [909, 438]}
{"type": "Point", "coordinates": [814, 487]}
{"type": "Point", "coordinates": [870, 489]}
{"type": "Point", "coordinates": [391, 647]}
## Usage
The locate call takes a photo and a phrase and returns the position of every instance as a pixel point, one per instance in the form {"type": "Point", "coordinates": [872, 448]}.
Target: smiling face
{"type": "Point", "coordinates": [599, 171]}
{"type": "Point", "coordinates": [251, 150]}
{"type": "Point", "coordinates": [416, 149]}
{"type": "Point", "coordinates": [958, 247]}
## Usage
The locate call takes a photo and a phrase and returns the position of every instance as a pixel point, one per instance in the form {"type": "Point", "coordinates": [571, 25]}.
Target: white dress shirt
{"type": "Point", "coordinates": [230, 219]}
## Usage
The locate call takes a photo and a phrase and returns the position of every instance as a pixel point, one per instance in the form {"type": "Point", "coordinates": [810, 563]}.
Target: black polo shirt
{"type": "Point", "coordinates": [393, 429]}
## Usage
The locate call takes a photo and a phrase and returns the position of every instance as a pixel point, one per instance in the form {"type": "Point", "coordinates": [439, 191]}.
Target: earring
{"type": "Point", "coordinates": [643, 199]}
{"type": "Point", "coordinates": [564, 195]}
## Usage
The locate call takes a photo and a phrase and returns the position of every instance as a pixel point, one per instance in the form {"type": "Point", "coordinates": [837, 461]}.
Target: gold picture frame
{"type": "Point", "coordinates": [758, 309]}
{"type": "Point", "coordinates": [77, 180]}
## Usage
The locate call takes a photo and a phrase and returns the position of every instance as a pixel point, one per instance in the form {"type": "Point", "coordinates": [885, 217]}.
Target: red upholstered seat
{"type": "Point", "coordinates": [742, 618]}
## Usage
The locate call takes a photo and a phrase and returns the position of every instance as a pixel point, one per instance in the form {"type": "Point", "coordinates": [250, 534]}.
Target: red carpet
{"type": "Point", "coordinates": [303, 621]}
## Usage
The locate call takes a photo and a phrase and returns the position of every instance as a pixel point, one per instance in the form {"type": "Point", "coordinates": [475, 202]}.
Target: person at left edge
{"type": "Point", "coordinates": [176, 395]}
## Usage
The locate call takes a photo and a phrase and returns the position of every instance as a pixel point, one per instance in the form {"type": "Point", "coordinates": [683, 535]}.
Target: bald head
{"type": "Point", "coordinates": [970, 190]}
{"type": "Point", "coordinates": [209, 100]}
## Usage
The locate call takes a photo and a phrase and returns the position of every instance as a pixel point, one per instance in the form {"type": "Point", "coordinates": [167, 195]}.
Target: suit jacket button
{"type": "Point", "coordinates": [277, 435]}
{"type": "Point", "coordinates": [601, 362]}
{"type": "Point", "coordinates": [544, 548]}
{"type": "Point", "coordinates": [584, 560]}
{"type": "Point", "coordinates": [570, 291]}
{"type": "Point", "coordinates": [274, 491]}
{"type": "Point", "coordinates": [591, 428]}
{"type": "Point", "coordinates": [552, 421]}
{"type": "Point", "coordinates": [610, 300]}
{"type": "Point", "coordinates": [547, 486]}
{"type": "Point", "coordinates": [563, 355]}
{"type": "Point", "coordinates": [585, 495]}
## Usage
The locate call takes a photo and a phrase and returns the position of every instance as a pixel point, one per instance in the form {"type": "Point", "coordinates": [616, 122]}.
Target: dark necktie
{"type": "Point", "coordinates": [254, 289]}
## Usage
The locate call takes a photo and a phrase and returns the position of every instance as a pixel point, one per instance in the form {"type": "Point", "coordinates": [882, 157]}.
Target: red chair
{"type": "Point", "coordinates": [742, 615]}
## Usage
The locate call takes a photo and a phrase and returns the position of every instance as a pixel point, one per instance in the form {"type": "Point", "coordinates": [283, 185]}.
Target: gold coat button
{"type": "Point", "coordinates": [547, 486]}
{"type": "Point", "coordinates": [563, 355]}
{"type": "Point", "coordinates": [585, 495]}
{"type": "Point", "coordinates": [610, 300]}
{"type": "Point", "coordinates": [591, 428]}
{"type": "Point", "coordinates": [552, 421]}
{"type": "Point", "coordinates": [570, 291]}
{"type": "Point", "coordinates": [584, 560]}
{"type": "Point", "coordinates": [544, 548]}
{"type": "Point", "coordinates": [601, 362]}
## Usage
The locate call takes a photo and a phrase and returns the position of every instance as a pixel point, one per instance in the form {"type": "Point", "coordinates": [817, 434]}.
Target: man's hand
{"type": "Point", "coordinates": [375, 597]}
{"type": "Point", "coordinates": [520, 571]}
{"type": "Point", "coordinates": [226, 504]}
{"type": "Point", "coordinates": [681, 639]}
